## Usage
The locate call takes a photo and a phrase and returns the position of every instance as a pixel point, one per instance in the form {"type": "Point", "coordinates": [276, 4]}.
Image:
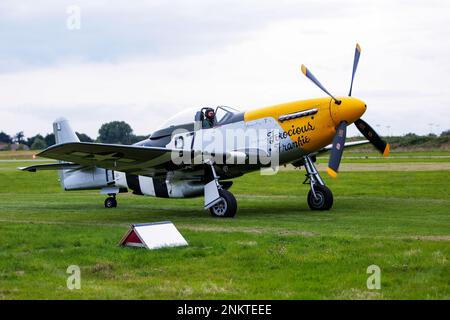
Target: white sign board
{"type": "Point", "coordinates": [153, 236]}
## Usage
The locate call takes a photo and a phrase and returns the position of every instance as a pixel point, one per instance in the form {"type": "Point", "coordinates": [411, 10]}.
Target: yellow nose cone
{"type": "Point", "coordinates": [350, 110]}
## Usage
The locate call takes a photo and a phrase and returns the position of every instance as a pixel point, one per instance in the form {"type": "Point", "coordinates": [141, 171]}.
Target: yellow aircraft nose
{"type": "Point", "coordinates": [350, 109]}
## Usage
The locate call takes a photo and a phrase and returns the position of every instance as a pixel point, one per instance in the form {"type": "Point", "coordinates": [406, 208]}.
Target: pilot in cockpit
{"type": "Point", "coordinates": [208, 119]}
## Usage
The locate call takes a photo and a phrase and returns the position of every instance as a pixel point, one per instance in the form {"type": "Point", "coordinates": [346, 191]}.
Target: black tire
{"type": "Point", "coordinates": [110, 203]}
{"type": "Point", "coordinates": [227, 207]}
{"type": "Point", "coordinates": [324, 199]}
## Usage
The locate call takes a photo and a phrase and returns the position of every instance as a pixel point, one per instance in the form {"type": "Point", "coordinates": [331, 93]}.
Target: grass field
{"type": "Point", "coordinates": [275, 247]}
{"type": "Point", "coordinates": [350, 156]}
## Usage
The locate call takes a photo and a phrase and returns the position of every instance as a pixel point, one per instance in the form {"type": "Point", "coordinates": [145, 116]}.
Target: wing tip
{"type": "Point", "coordinates": [331, 172]}
{"type": "Point", "coordinates": [29, 169]}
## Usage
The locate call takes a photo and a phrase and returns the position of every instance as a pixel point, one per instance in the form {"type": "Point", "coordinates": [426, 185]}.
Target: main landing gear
{"type": "Point", "coordinates": [220, 202]}
{"type": "Point", "coordinates": [111, 201]}
{"type": "Point", "coordinates": [320, 196]}
{"type": "Point", "coordinates": [226, 207]}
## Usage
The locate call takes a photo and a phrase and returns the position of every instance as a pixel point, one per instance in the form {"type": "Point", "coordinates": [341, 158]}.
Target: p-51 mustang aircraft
{"type": "Point", "coordinates": [195, 153]}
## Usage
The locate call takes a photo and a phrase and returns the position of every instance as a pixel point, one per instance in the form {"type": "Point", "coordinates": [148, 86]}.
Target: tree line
{"type": "Point", "coordinates": [118, 132]}
{"type": "Point", "coordinates": [121, 132]}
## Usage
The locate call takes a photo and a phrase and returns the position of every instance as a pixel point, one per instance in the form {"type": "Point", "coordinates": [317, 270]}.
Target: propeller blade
{"type": "Point", "coordinates": [355, 66]}
{"type": "Point", "coordinates": [373, 137]}
{"type": "Point", "coordinates": [311, 77]}
{"type": "Point", "coordinates": [337, 149]}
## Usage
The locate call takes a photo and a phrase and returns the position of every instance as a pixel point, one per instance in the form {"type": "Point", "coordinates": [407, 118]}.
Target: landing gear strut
{"type": "Point", "coordinates": [320, 196]}
{"type": "Point", "coordinates": [111, 201]}
{"type": "Point", "coordinates": [220, 202]}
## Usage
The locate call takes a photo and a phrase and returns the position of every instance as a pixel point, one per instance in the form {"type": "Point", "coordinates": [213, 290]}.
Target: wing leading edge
{"type": "Point", "coordinates": [132, 159]}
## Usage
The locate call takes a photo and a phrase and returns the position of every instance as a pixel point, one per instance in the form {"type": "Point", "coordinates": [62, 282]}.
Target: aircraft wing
{"type": "Point", "coordinates": [148, 161]}
{"type": "Point", "coordinates": [347, 145]}
{"type": "Point", "coordinates": [126, 158]}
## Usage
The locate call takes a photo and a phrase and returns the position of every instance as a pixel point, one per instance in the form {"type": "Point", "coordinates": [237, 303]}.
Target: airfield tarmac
{"type": "Point", "coordinates": [390, 212]}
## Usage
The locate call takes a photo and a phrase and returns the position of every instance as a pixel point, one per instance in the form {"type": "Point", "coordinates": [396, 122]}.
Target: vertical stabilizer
{"type": "Point", "coordinates": [63, 132]}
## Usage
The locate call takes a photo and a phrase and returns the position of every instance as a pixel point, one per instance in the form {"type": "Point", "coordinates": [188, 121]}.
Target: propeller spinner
{"type": "Point", "coordinates": [347, 110]}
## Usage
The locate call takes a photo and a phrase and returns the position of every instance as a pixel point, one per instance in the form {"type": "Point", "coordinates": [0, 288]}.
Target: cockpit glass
{"type": "Point", "coordinates": [182, 117]}
{"type": "Point", "coordinates": [188, 116]}
{"type": "Point", "coordinates": [220, 114]}
{"type": "Point", "coordinates": [229, 109]}
{"type": "Point", "coordinates": [223, 113]}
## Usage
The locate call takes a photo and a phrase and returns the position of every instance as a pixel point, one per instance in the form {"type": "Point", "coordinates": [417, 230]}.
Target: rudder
{"type": "Point", "coordinates": [63, 131]}
{"type": "Point", "coordinates": [63, 134]}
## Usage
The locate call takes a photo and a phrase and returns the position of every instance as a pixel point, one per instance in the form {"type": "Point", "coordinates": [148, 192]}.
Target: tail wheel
{"type": "Point", "coordinates": [110, 202]}
{"type": "Point", "coordinates": [323, 199]}
{"type": "Point", "coordinates": [226, 207]}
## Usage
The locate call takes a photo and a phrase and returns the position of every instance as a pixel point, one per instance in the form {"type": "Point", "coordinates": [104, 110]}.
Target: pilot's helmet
{"type": "Point", "coordinates": [209, 113]}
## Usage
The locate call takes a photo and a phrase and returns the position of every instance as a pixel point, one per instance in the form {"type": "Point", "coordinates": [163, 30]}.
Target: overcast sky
{"type": "Point", "coordinates": [143, 61]}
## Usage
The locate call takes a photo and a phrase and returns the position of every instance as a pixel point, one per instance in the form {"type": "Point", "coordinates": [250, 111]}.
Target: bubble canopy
{"type": "Point", "coordinates": [188, 116]}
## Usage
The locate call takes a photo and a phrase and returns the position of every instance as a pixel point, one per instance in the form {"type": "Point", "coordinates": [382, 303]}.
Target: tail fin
{"type": "Point", "coordinates": [63, 132]}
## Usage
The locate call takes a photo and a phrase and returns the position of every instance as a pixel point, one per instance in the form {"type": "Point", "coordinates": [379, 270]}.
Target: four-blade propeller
{"type": "Point", "coordinates": [337, 150]}
{"type": "Point", "coordinates": [341, 129]}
